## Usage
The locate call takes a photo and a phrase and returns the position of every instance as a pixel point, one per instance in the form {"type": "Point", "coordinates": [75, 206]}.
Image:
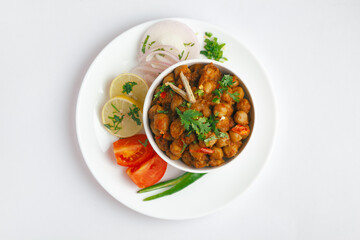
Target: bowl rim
{"type": "Point", "coordinates": [149, 134]}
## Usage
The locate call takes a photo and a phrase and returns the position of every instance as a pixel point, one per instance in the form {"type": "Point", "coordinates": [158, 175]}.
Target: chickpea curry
{"type": "Point", "coordinates": [200, 115]}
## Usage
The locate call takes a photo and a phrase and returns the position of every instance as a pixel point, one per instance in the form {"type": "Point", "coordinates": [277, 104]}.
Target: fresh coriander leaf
{"type": "Point", "coordinates": [218, 92]}
{"type": "Point", "coordinates": [234, 96]}
{"type": "Point", "coordinates": [127, 87]}
{"type": "Point", "coordinates": [208, 34]}
{"type": "Point", "coordinates": [213, 50]}
{"type": "Point", "coordinates": [212, 122]}
{"type": "Point", "coordinates": [216, 100]}
{"type": "Point", "coordinates": [187, 55]}
{"type": "Point", "coordinates": [114, 107]}
{"type": "Point", "coordinates": [189, 44]}
{"type": "Point", "coordinates": [144, 143]}
{"type": "Point", "coordinates": [221, 135]}
{"type": "Point", "coordinates": [184, 104]}
{"type": "Point", "coordinates": [184, 146]}
{"type": "Point", "coordinates": [207, 140]}
{"type": "Point", "coordinates": [226, 81]}
{"type": "Point", "coordinates": [134, 114]}
{"type": "Point", "coordinates": [116, 120]}
{"type": "Point", "coordinates": [150, 44]}
{"type": "Point", "coordinates": [199, 92]}
{"type": "Point", "coordinates": [144, 44]}
{"type": "Point", "coordinates": [193, 120]}
{"type": "Point", "coordinates": [181, 55]}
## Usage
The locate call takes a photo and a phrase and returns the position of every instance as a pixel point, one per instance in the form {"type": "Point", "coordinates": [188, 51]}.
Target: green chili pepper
{"type": "Point", "coordinates": [178, 184]}
{"type": "Point", "coordinates": [168, 183]}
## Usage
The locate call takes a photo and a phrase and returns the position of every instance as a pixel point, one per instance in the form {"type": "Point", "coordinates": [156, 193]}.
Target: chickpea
{"type": "Point", "coordinates": [171, 155]}
{"type": "Point", "coordinates": [234, 137]}
{"type": "Point", "coordinates": [202, 107]}
{"type": "Point", "coordinates": [196, 67]}
{"type": "Point", "coordinates": [209, 78]}
{"type": "Point", "coordinates": [161, 122]}
{"type": "Point", "coordinates": [184, 69]}
{"type": "Point", "coordinates": [223, 109]}
{"type": "Point", "coordinates": [187, 158]}
{"type": "Point", "coordinates": [206, 111]}
{"type": "Point", "coordinates": [236, 81]}
{"type": "Point", "coordinates": [168, 136]}
{"type": "Point", "coordinates": [176, 128]}
{"type": "Point", "coordinates": [225, 97]}
{"type": "Point", "coordinates": [243, 105]}
{"type": "Point", "coordinates": [193, 149]}
{"type": "Point", "coordinates": [196, 71]}
{"type": "Point", "coordinates": [176, 102]}
{"type": "Point", "coordinates": [222, 142]}
{"type": "Point", "coordinates": [224, 124]}
{"type": "Point", "coordinates": [208, 143]}
{"type": "Point", "coordinates": [208, 87]}
{"type": "Point", "coordinates": [167, 99]}
{"type": "Point", "coordinates": [189, 138]}
{"type": "Point", "coordinates": [218, 154]}
{"type": "Point", "coordinates": [162, 143]}
{"type": "Point", "coordinates": [231, 149]}
{"type": "Point", "coordinates": [169, 78]}
{"type": "Point", "coordinates": [154, 110]}
{"type": "Point", "coordinates": [176, 147]}
{"type": "Point", "coordinates": [153, 129]}
{"type": "Point", "coordinates": [210, 73]}
{"type": "Point", "coordinates": [240, 91]}
{"type": "Point", "coordinates": [200, 163]}
{"type": "Point", "coordinates": [241, 117]}
{"type": "Point", "coordinates": [215, 162]}
{"type": "Point", "coordinates": [216, 158]}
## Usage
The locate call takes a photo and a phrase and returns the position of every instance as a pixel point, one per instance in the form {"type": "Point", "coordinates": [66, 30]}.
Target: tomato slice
{"type": "Point", "coordinates": [130, 152]}
{"type": "Point", "coordinates": [148, 173]}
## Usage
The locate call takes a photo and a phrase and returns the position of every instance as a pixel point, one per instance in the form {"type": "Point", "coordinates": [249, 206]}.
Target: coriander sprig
{"type": "Point", "coordinates": [128, 87]}
{"type": "Point", "coordinates": [134, 114]}
{"type": "Point", "coordinates": [144, 44]}
{"type": "Point", "coordinates": [143, 143]}
{"type": "Point", "coordinates": [213, 50]}
{"type": "Point", "coordinates": [225, 82]}
{"type": "Point", "coordinates": [193, 120]}
{"type": "Point", "coordinates": [116, 120]}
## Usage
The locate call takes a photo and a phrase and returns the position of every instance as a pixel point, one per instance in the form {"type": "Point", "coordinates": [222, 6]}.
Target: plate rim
{"type": "Point", "coordinates": [271, 94]}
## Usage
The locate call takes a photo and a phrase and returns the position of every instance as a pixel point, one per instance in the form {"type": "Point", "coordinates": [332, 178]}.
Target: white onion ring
{"type": "Point", "coordinates": [174, 39]}
{"type": "Point", "coordinates": [173, 33]}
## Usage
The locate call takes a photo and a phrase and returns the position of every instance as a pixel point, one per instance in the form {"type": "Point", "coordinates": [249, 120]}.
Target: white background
{"type": "Point", "coordinates": [309, 188]}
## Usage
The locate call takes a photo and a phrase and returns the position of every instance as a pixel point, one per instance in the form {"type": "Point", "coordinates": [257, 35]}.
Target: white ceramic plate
{"type": "Point", "coordinates": [211, 192]}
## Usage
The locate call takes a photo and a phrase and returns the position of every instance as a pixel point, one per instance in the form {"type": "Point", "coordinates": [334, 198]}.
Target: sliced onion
{"type": "Point", "coordinates": [167, 48]}
{"type": "Point", "coordinates": [149, 77]}
{"type": "Point", "coordinates": [148, 69]}
{"type": "Point", "coordinates": [175, 39]}
{"type": "Point", "coordinates": [175, 34]}
{"type": "Point", "coordinates": [170, 56]}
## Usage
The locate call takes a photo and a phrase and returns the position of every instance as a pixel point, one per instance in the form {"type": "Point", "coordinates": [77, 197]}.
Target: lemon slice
{"type": "Point", "coordinates": [122, 116]}
{"type": "Point", "coordinates": [131, 85]}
